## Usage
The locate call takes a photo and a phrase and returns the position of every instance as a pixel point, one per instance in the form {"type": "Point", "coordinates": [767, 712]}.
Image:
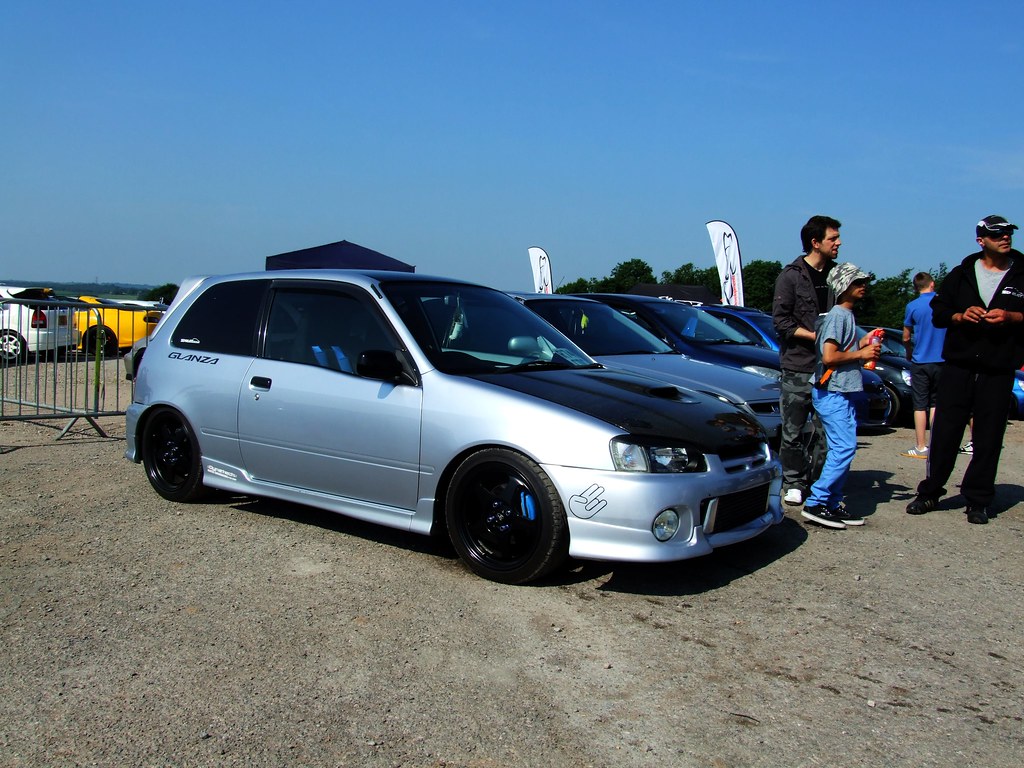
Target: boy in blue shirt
{"type": "Point", "coordinates": [924, 351]}
{"type": "Point", "coordinates": [837, 379]}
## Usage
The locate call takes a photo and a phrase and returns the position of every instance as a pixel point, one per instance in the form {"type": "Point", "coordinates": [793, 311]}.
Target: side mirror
{"type": "Point", "coordinates": [381, 364]}
{"type": "Point", "coordinates": [526, 346]}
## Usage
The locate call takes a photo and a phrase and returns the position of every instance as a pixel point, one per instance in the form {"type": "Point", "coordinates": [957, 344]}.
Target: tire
{"type": "Point", "coordinates": [894, 414]}
{"type": "Point", "coordinates": [171, 456]}
{"type": "Point", "coordinates": [90, 342]}
{"type": "Point", "coordinates": [13, 347]}
{"type": "Point", "coordinates": [505, 518]}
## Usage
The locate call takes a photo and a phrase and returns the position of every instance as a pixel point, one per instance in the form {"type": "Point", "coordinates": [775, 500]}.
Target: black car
{"type": "Point", "coordinates": [894, 371]}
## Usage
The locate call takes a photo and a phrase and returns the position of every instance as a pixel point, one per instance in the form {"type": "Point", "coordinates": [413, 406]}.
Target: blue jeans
{"type": "Point", "coordinates": [839, 417]}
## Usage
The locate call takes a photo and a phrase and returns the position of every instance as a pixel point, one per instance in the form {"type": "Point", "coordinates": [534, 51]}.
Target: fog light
{"type": "Point", "coordinates": [666, 524]}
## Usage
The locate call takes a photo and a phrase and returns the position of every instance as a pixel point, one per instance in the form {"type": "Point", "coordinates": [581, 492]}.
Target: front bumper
{"type": "Point", "coordinates": [611, 514]}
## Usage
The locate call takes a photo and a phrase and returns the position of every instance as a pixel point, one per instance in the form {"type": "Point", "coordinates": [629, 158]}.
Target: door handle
{"type": "Point", "coordinates": [259, 382]}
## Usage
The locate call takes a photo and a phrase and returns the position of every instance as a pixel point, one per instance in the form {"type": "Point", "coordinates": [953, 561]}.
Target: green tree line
{"type": "Point", "coordinates": [884, 304]}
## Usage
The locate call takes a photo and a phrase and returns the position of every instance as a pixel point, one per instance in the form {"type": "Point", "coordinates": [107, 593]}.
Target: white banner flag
{"type": "Point", "coordinates": [541, 270]}
{"type": "Point", "coordinates": [727, 257]}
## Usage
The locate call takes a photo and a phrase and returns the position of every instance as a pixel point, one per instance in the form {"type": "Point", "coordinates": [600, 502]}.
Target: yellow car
{"type": "Point", "coordinates": [121, 323]}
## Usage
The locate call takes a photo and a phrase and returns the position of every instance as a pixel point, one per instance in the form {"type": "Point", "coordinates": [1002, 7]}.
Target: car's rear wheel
{"type": "Point", "coordinates": [505, 518]}
{"type": "Point", "coordinates": [170, 454]}
{"type": "Point", "coordinates": [13, 348]}
{"type": "Point", "coordinates": [91, 341]}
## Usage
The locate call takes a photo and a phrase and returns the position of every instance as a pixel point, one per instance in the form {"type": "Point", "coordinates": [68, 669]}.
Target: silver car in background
{"type": "Point", "coordinates": [438, 406]}
{"type": "Point", "coordinates": [613, 339]}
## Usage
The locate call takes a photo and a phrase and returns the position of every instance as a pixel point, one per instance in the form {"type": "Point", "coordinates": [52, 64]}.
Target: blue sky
{"type": "Point", "coordinates": [146, 141]}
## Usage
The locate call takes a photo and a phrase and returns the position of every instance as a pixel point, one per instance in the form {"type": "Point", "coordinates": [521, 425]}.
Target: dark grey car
{"type": "Point", "coordinates": [613, 339]}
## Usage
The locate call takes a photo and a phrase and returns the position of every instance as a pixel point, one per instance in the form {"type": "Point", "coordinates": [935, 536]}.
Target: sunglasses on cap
{"type": "Point", "coordinates": [998, 233]}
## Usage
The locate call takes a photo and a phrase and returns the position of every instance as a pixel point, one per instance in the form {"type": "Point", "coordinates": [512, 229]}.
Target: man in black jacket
{"type": "Point", "coordinates": [981, 306]}
{"type": "Point", "coordinates": [801, 294]}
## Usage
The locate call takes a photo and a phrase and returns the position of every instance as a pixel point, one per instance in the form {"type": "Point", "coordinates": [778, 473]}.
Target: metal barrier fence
{"type": "Point", "coordinates": [63, 359]}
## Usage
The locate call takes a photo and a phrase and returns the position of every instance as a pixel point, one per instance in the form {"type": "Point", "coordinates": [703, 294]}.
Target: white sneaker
{"type": "Point", "coordinates": [967, 447]}
{"type": "Point", "coordinates": [794, 496]}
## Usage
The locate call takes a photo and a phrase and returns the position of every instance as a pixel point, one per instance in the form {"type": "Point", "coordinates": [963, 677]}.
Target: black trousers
{"type": "Point", "coordinates": [965, 393]}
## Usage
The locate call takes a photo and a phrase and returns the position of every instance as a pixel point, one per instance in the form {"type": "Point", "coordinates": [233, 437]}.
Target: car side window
{"type": "Point", "coordinates": [323, 328]}
{"type": "Point", "coordinates": [740, 327]}
{"type": "Point", "coordinates": [223, 319]}
{"type": "Point", "coordinates": [641, 321]}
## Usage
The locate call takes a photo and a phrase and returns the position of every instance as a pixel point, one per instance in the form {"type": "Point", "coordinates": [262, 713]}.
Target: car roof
{"type": "Point", "coordinates": [634, 297]}
{"type": "Point", "coordinates": [734, 309]}
{"type": "Point", "coordinates": [357, 276]}
{"type": "Point", "coordinates": [527, 296]}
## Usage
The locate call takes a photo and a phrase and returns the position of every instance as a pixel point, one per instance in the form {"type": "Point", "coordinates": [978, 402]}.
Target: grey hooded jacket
{"type": "Point", "coordinates": [795, 305]}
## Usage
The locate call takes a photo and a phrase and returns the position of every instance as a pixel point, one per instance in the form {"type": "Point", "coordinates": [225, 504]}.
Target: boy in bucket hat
{"type": "Point", "coordinates": [837, 379]}
{"type": "Point", "coordinates": [981, 306]}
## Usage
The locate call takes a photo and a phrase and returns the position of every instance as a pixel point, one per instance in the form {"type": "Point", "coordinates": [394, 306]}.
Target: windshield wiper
{"type": "Point", "coordinates": [544, 365]}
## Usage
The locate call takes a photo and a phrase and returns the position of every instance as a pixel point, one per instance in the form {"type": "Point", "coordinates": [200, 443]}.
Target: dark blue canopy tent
{"type": "Point", "coordinates": [340, 255]}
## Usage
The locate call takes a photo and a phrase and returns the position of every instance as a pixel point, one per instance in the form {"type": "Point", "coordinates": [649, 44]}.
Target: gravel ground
{"type": "Point", "coordinates": [137, 632]}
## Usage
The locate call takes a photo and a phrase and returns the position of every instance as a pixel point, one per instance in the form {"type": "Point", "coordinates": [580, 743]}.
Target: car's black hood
{"type": "Point", "coordinates": [638, 405]}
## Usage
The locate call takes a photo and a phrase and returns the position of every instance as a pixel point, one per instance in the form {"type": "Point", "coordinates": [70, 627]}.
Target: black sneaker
{"type": "Point", "coordinates": [921, 505]}
{"type": "Point", "coordinates": [821, 515]}
{"type": "Point", "coordinates": [848, 517]}
{"type": "Point", "coordinates": [977, 515]}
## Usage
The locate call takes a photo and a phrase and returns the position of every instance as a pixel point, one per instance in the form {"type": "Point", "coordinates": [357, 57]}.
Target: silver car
{"type": "Point", "coordinates": [439, 406]}
{"type": "Point", "coordinates": [613, 339]}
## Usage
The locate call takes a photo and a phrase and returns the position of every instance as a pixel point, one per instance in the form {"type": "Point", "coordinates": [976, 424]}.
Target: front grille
{"type": "Point", "coordinates": [733, 509]}
{"type": "Point", "coordinates": [743, 458]}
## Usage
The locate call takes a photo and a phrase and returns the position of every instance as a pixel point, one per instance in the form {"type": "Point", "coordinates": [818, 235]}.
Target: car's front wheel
{"type": "Point", "coordinates": [170, 454]}
{"type": "Point", "coordinates": [505, 517]}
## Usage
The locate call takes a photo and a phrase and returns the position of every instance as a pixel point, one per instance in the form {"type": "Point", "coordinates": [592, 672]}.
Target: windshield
{"type": "Point", "coordinates": [696, 325]}
{"type": "Point", "coordinates": [597, 328]}
{"type": "Point", "coordinates": [473, 329]}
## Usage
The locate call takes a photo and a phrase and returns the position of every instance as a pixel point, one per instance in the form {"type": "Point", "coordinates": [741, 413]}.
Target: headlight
{"type": "Point", "coordinates": [665, 525]}
{"type": "Point", "coordinates": [905, 374]}
{"type": "Point", "coordinates": [630, 456]}
{"type": "Point", "coordinates": [772, 373]}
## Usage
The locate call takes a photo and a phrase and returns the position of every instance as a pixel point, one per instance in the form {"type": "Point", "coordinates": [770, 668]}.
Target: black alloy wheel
{"type": "Point", "coordinates": [505, 518]}
{"type": "Point", "coordinates": [170, 454]}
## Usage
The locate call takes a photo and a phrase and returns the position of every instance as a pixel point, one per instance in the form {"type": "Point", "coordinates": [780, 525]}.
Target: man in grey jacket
{"type": "Point", "coordinates": [801, 295]}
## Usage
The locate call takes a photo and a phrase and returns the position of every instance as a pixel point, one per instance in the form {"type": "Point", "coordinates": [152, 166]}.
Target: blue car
{"type": "Point", "coordinates": [1017, 397]}
{"type": "Point", "coordinates": [695, 332]}
{"type": "Point", "coordinates": [756, 326]}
